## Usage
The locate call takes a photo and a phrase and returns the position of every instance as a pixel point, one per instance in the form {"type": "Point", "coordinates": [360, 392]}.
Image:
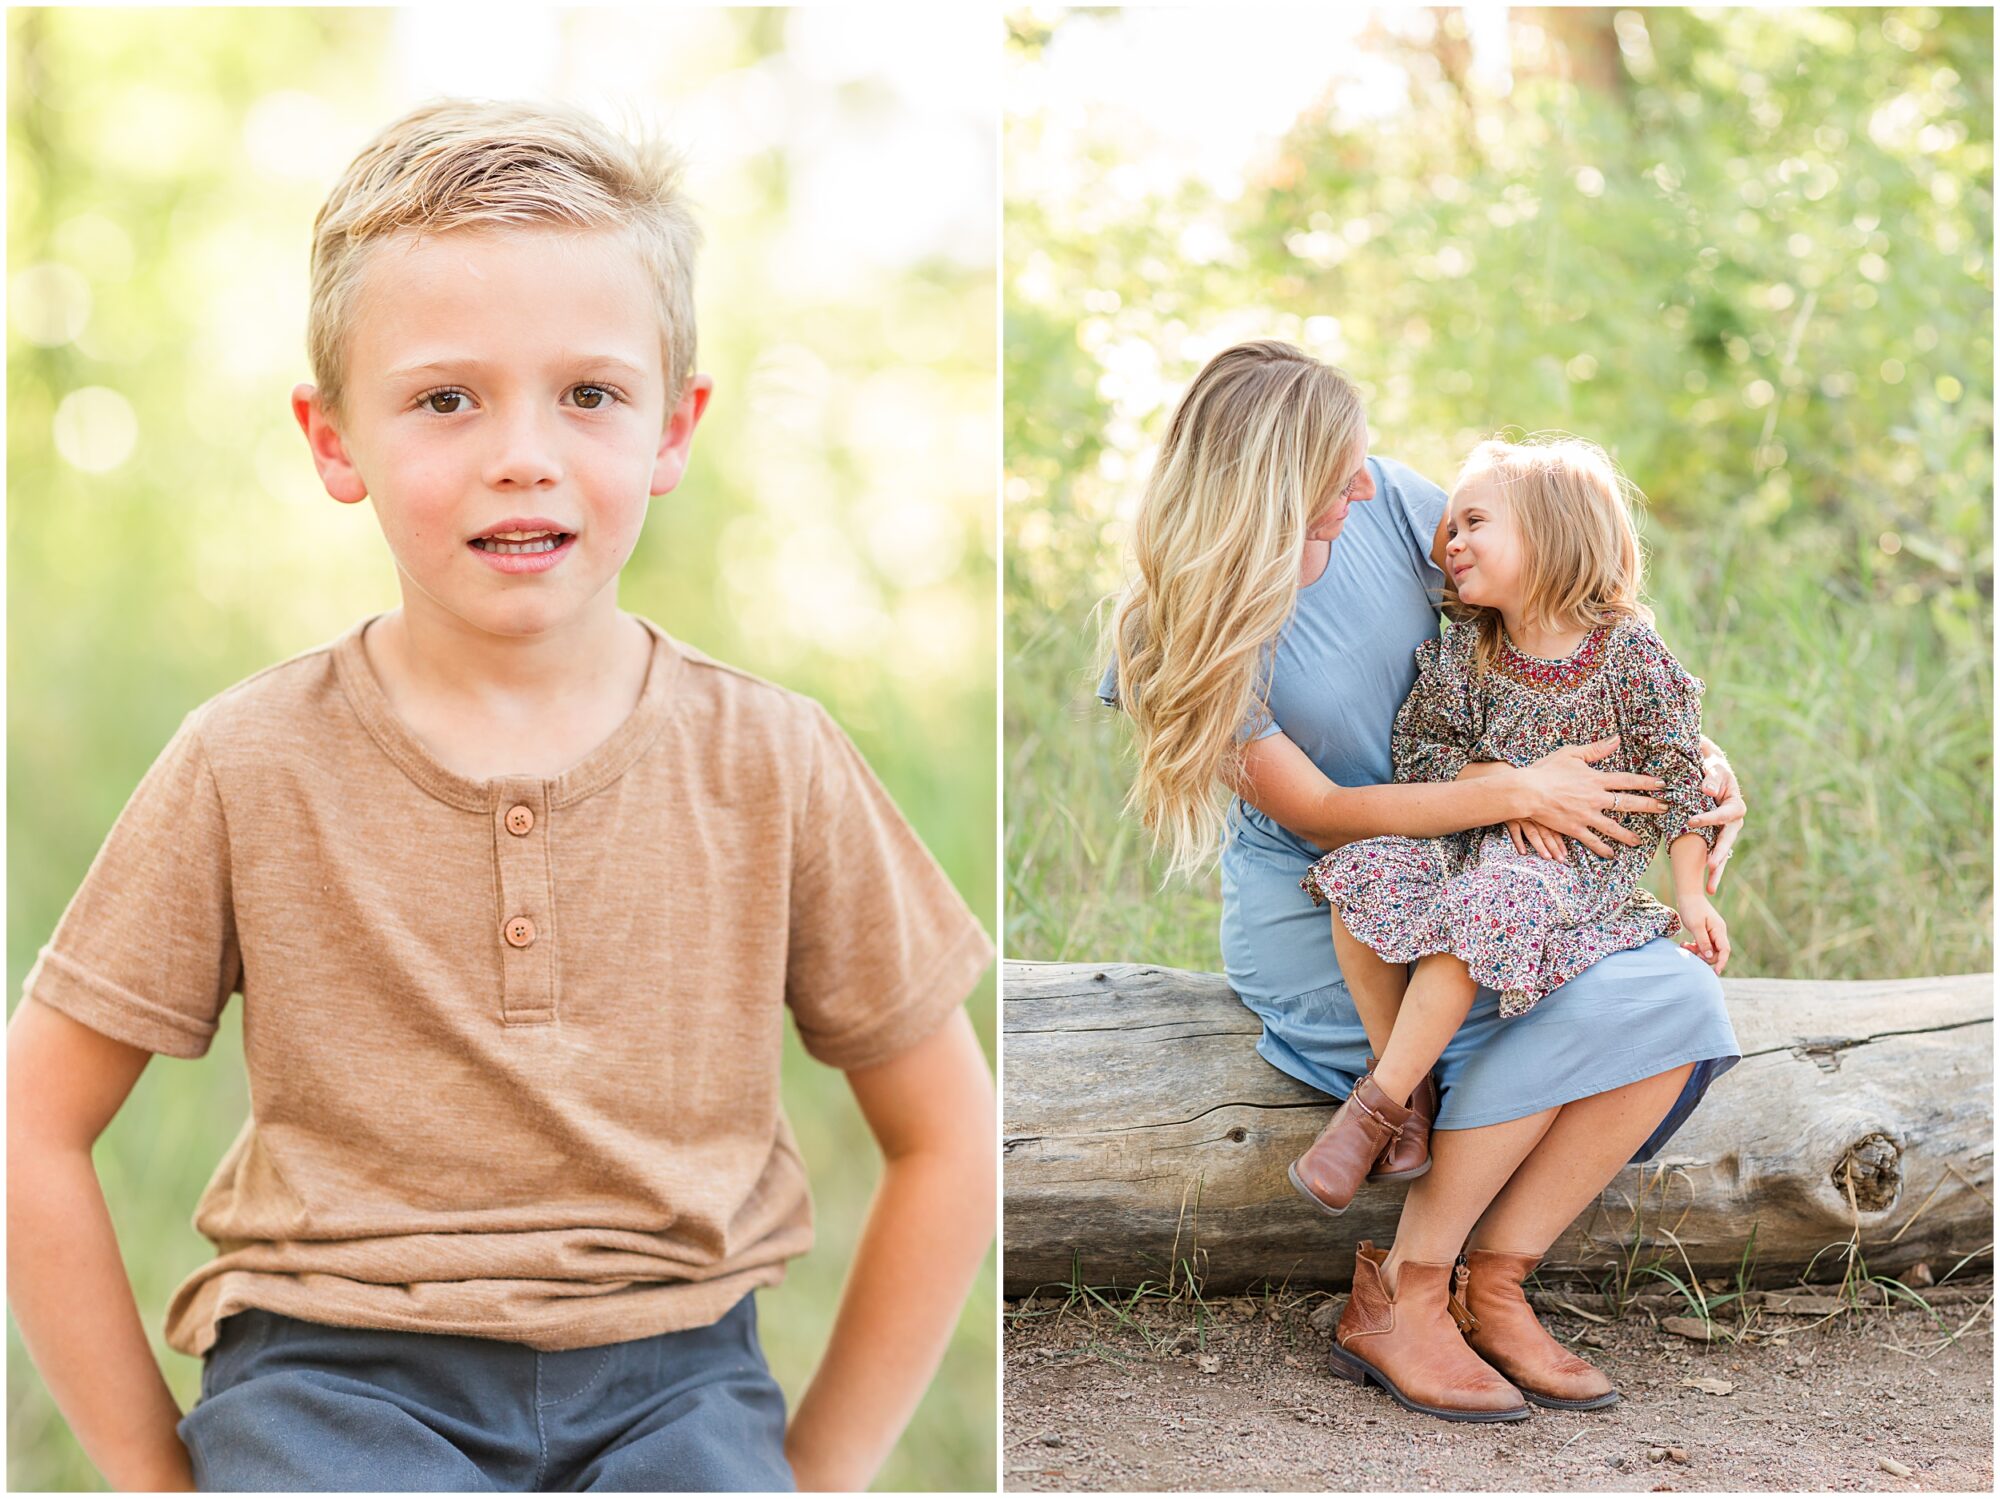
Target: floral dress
{"type": "Point", "coordinates": [1523, 924]}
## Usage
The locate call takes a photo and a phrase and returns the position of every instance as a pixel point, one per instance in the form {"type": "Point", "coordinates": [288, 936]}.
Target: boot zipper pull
{"type": "Point", "coordinates": [1461, 1272]}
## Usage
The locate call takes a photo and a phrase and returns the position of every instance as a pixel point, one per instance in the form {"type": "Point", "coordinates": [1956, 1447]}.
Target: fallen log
{"type": "Point", "coordinates": [1146, 1140]}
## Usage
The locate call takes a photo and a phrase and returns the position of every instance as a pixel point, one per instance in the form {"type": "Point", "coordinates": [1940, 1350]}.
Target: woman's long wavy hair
{"type": "Point", "coordinates": [1251, 458]}
{"type": "Point", "coordinates": [1582, 564]}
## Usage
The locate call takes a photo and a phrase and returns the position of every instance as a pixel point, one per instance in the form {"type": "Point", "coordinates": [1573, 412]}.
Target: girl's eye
{"type": "Point", "coordinates": [440, 395]}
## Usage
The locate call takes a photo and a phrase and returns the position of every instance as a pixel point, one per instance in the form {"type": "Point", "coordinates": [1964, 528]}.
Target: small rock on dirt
{"type": "Point", "coordinates": [1890, 1466]}
{"type": "Point", "coordinates": [1208, 1363]}
{"type": "Point", "coordinates": [1690, 1327]}
{"type": "Point", "coordinates": [1323, 1317]}
{"type": "Point", "coordinates": [1710, 1386]}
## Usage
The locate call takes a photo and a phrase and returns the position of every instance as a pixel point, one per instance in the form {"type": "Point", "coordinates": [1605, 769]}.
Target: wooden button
{"type": "Point", "coordinates": [520, 820]}
{"type": "Point", "coordinates": [519, 931]}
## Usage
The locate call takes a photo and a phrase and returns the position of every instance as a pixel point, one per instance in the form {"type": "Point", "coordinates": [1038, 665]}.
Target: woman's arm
{"type": "Point", "coordinates": [931, 1110]}
{"type": "Point", "coordinates": [65, 1278]}
{"type": "Point", "coordinates": [1562, 790]}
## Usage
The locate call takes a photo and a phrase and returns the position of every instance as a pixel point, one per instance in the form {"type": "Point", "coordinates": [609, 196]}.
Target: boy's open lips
{"type": "Point", "coordinates": [524, 561]}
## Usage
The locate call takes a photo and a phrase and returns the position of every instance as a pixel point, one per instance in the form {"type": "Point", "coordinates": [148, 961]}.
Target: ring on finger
{"type": "Point", "coordinates": [1617, 799]}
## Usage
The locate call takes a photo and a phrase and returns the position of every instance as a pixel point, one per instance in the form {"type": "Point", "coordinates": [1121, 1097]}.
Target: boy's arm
{"type": "Point", "coordinates": [932, 1112]}
{"type": "Point", "coordinates": [66, 1280]}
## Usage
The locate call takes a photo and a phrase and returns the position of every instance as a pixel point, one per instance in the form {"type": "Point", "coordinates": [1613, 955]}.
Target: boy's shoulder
{"type": "Point", "coordinates": [276, 707]}
{"type": "Point", "coordinates": [720, 698]}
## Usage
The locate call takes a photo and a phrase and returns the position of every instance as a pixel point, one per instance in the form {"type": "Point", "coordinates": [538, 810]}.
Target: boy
{"type": "Point", "coordinates": [517, 891]}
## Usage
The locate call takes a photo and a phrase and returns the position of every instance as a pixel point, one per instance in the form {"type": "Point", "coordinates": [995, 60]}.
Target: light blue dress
{"type": "Point", "coordinates": [1341, 668]}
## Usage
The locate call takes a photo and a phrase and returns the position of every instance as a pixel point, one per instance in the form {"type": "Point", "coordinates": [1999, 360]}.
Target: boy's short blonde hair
{"type": "Point", "coordinates": [1583, 566]}
{"type": "Point", "coordinates": [464, 163]}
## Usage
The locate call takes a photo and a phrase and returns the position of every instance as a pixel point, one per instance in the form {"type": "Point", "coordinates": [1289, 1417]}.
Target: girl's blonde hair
{"type": "Point", "coordinates": [1250, 458]}
{"type": "Point", "coordinates": [1581, 562]}
{"type": "Point", "coordinates": [462, 163]}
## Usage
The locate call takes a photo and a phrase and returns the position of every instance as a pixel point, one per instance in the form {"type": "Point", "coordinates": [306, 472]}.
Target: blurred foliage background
{"type": "Point", "coordinates": [167, 535]}
{"type": "Point", "coordinates": [1749, 251]}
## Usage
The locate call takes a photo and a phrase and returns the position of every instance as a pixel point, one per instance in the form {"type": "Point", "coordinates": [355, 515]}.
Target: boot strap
{"type": "Point", "coordinates": [1454, 1302]}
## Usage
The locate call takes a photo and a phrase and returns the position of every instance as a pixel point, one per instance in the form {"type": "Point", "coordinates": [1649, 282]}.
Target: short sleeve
{"type": "Point", "coordinates": [1107, 685]}
{"type": "Point", "coordinates": [1438, 723]}
{"type": "Point", "coordinates": [882, 946]}
{"type": "Point", "coordinates": [1660, 722]}
{"type": "Point", "coordinates": [1418, 506]}
{"type": "Point", "coordinates": [146, 952]}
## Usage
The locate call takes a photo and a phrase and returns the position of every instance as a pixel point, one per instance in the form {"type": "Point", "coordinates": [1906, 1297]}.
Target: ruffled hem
{"type": "Point", "coordinates": [1402, 899]}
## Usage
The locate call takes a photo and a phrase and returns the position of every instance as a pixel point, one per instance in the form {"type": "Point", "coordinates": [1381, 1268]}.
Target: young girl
{"type": "Point", "coordinates": [1548, 646]}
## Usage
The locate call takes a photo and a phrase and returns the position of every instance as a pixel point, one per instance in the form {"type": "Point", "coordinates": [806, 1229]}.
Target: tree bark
{"type": "Point", "coordinates": [1146, 1139]}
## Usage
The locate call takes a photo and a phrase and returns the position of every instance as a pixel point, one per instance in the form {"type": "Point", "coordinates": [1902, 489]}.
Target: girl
{"type": "Point", "coordinates": [1548, 646]}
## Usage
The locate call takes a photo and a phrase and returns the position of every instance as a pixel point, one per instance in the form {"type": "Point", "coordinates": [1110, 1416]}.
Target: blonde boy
{"type": "Point", "coordinates": [517, 891]}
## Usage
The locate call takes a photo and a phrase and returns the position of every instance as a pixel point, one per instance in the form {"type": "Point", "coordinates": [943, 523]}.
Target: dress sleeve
{"type": "Point", "coordinates": [882, 948]}
{"type": "Point", "coordinates": [1660, 722]}
{"type": "Point", "coordinates": [1438, 723]}
{"type": "Point", "coordinates": [146, 952]}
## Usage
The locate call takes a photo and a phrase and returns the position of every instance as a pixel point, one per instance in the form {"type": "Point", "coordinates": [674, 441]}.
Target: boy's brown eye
{"type": "Point", "coordinates": [597, 393]}
{"type": "Point", "coordinates": [443, 395]}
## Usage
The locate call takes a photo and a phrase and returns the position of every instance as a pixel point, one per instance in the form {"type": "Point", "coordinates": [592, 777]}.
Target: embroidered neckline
{"type": "Point", "coordinates": [1543, 675]}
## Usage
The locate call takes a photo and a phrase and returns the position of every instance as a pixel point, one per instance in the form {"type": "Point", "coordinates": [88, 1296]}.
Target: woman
{"type": "Point", "coordinates": [1255, 656]}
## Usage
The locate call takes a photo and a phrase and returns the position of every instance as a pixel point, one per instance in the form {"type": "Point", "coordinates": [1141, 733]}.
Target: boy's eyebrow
{"type": "Point", "coordinates": [567, 361]}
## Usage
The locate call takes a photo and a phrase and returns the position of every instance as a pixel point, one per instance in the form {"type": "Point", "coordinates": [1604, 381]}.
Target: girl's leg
{"type": "Point", "coordinates": [1468, 1167]}
{"type": "Point", "coordinates": [1587, 1144]}
{"type": "Point", "coordinates": [1440, 997]}
{"type": "Point", "coordinates": [1376, 985]}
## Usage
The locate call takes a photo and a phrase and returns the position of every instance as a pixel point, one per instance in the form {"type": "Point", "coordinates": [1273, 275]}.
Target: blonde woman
{"type": "Point", "coordinates": [1285, 581]}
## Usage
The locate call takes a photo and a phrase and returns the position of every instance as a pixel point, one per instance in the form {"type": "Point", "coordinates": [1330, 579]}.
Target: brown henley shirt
{"type": "Point", "coordinates": [514, 1044]}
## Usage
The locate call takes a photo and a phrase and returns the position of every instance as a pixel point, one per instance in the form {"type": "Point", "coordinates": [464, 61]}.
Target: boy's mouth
{"type": "Point", "coordinates": [522, 543]}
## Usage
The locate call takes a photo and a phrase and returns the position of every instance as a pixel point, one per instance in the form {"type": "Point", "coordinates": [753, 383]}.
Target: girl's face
{"type": "Point", "coordinates": [1483, 551]}
{"type": "Point", "coordinates": [1355, 490]}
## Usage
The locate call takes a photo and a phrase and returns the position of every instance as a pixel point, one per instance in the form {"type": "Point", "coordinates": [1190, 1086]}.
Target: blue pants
{"type": "Point", "coordinates": [287, 1404]}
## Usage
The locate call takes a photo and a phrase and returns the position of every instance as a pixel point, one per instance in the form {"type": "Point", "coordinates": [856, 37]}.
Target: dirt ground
{"type": "Point", "coordinates": [1239, 1398]}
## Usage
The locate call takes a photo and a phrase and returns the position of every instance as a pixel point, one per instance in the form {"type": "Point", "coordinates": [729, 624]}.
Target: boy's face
{"type": "Point", "coordinates": [498, 376]}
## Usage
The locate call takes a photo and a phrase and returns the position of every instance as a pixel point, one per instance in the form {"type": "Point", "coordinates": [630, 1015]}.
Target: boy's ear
{"type": "Point", "coordinates": [677, 439]}
{"type": "Point", "coordinates": [329, 454]}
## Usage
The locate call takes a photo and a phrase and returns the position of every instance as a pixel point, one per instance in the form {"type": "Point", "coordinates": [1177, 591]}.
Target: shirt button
{"type": "Point", "coordinates": [519, 932]}
{"type": "Point", "coordinates": [520, 820]}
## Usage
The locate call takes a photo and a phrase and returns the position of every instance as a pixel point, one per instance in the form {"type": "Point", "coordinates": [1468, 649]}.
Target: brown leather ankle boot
{"type": "Point", "coordinates": [1408, 1156]}
{"type": "Point", "coordinates": [1506, 1333]}
{"type": "Point", "coordinates": [1410, 1345]}
{"type": "Point", "coordinates": [1335, 1165]}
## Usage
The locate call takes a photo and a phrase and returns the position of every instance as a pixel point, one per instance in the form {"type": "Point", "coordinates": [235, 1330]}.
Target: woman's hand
{"type": "Point", "coordinates": [1570, 796]}
{"type": "Point", "coordinates": [1726, 815]}
{"type": "Point", "coordinates": [1703, 924]}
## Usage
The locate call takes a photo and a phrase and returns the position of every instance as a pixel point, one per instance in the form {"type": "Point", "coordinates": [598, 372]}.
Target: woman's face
{"type": "Point", "coordinates": [1482, 550]}
{"type": "Point", "coordinates": [1356, 489]}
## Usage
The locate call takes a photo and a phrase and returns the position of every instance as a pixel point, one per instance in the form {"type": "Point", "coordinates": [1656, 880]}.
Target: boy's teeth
{"type": "Point", "coordinates": [503, 543]}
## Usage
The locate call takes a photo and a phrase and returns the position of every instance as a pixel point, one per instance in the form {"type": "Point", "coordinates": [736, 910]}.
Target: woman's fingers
{"type": "Point", "coordinates": [1632, 780]}
{"type": "Point", "coordinates": [1514, 832]}
{"type": "Point", "coordinates": [1627, 802]}
{"type": "Point", "coordinates": [1588, 836]}
{"type": "Point", "coordinates": [1549, 843]}
{"type": "Point", "coordinates": [1593, 752]}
